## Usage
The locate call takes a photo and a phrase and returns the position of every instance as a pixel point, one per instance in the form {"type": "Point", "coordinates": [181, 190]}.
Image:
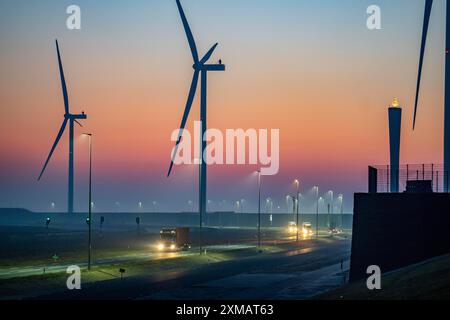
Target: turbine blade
{"type": "Point", "coordinates": [63, 80]}
{"type": "Point", "coordinates": [426, 22]}
{"type": "Point", "coordinates": [189, 102]}
{"type": "Point", "coordinates": [58, 137]}
{"type": "Point", "coordinates": [77, 122]}
{"type": "Point", "coordinates": [208, 54]}
{"type": "Point", "coordinates": [188, 31]}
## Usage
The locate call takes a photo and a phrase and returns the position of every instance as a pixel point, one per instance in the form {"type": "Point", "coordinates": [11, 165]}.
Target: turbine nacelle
{"type": "Point", "coordinates": [70, 116]}
{"type": "Point", "coordinates": [209, 67]}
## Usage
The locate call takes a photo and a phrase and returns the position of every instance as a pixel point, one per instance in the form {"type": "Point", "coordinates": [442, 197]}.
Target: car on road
{"type": "Point", "coordinates": [307, 229]}
{"type": "Point", "coordinates": [335, 231]}
{"type": "Point", "coordinates": [292, 227]}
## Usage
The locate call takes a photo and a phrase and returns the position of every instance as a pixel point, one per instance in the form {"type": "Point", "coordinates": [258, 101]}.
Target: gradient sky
{"type": "Point", "coordinates": [310, 68]}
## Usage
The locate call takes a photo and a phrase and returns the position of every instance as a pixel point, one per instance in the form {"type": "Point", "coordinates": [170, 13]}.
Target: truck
{"type": "Point", "coordinates": [174, 239]}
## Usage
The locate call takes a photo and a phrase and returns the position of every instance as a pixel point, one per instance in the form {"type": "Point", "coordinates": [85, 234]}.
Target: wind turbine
{"type": "Point", "coordinates": [201, 68]}
{"type": "Point", "coordinates": [426, 22]}
{"type": "Point", "coordinates": [71, 119]}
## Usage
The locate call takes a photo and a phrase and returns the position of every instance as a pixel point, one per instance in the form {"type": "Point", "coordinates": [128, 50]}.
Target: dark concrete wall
{"type": "Point", "coordinates": [18, 217]}
{"type": "Point", "coordinates": [396, 230]}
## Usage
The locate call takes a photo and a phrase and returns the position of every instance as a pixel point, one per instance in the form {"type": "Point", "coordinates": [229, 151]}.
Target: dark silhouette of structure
{"type": "Point", "coordinates": [393, 230]}
{"type": "Point", "coordinates": [200, 68]}
{"type": "Point", "coordinates": [71, 119]}
{"type": "Point", "coordinates": [426, 22]}
{"type": "Point", "coordinates": [395, 125]}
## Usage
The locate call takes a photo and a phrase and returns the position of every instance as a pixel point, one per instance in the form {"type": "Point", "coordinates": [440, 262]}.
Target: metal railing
{"type": "Point", "coordinates": [413, 172]}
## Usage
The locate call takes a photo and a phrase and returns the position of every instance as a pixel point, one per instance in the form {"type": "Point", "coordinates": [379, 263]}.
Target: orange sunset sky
{"type": "Point", "coordinates": [309, 68]}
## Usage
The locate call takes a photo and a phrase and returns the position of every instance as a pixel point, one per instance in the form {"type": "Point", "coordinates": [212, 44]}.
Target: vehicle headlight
{"type": "Point", "coordinates": [160, 246]}
{"type": "Point", "coordinates": [172, 247]}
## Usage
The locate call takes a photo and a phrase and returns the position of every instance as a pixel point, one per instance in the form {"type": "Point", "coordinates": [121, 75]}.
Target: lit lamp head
{"type": "Point", "coordinates": [395, 103]}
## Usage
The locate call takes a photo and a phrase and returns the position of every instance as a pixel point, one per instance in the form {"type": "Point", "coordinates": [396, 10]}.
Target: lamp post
{"type": "Point", "coordinates": [317, 211]}
{"type": "Point", "coordinates": [330, 207]}
{"type": "Point", "coordinates": [47, 222]}
{"type": "Point", "coordinates": [287, 204]}
{"type": "Point", "coordinates": [297, 199]}
{"type": "Point", "coordinates": [259, 208]}
{"type": "Point", "coordinates": [89, 135]}
{"type": "Point", "coordinates": [238, 209]}
{"type": "Point", "coordinates": [341, 200]}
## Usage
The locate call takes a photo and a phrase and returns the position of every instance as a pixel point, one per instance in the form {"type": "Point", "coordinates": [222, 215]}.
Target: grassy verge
{"type": "Point", "coordinates": [29, 286]}
{"type": "Point", "coordinates": [429, 280]}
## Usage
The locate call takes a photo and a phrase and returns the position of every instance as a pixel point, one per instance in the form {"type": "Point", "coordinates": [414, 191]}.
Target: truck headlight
{"type": "Point", "coordinates": [161, 247]}
{"type": "Point", "coordinates": [172, 247]}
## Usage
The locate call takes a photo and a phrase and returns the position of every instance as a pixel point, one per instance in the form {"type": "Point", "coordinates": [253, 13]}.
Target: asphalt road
{"type": "Point", "coordinates": [32, 270]}
{"type": "Point", "coordinates": [295, 274]}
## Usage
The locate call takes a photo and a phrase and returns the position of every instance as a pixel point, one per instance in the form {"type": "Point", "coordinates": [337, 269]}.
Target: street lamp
{"type": "Point", "coordinates": [238, 209]}
{"type": "Point", "coordinates": [91, 204]}
{"type": "Point", "coordinates": [341, 200]}
{"type": "Point", "coordinates": [287, 204]}
{"type": "Point", "coordinates": [321, 202]}
{"type": "Point", "coordinates": [331, 200]}
{"type": "Point", "coordinates": [297, 200]}
{"type": "Point", "coordinates": [317, 210]}
{"type": "Point", "coordinates": [47, 222]}
{"type": "Point", "coordinates": [259, 207]}
{"type": "Point", "coordinates": [330, 207]}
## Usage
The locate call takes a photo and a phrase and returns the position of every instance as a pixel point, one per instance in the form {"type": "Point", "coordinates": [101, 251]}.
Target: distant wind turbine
{"type": "Point", "coordinates": [71, 118]}
{"type": "Point", "coordinates": [426, 22]}
{"type": "Point", "coordinates": [200, 68]}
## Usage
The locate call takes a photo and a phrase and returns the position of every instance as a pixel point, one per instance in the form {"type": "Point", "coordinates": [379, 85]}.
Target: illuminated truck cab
{"type": "Point", "coordinates": [173, 239]}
